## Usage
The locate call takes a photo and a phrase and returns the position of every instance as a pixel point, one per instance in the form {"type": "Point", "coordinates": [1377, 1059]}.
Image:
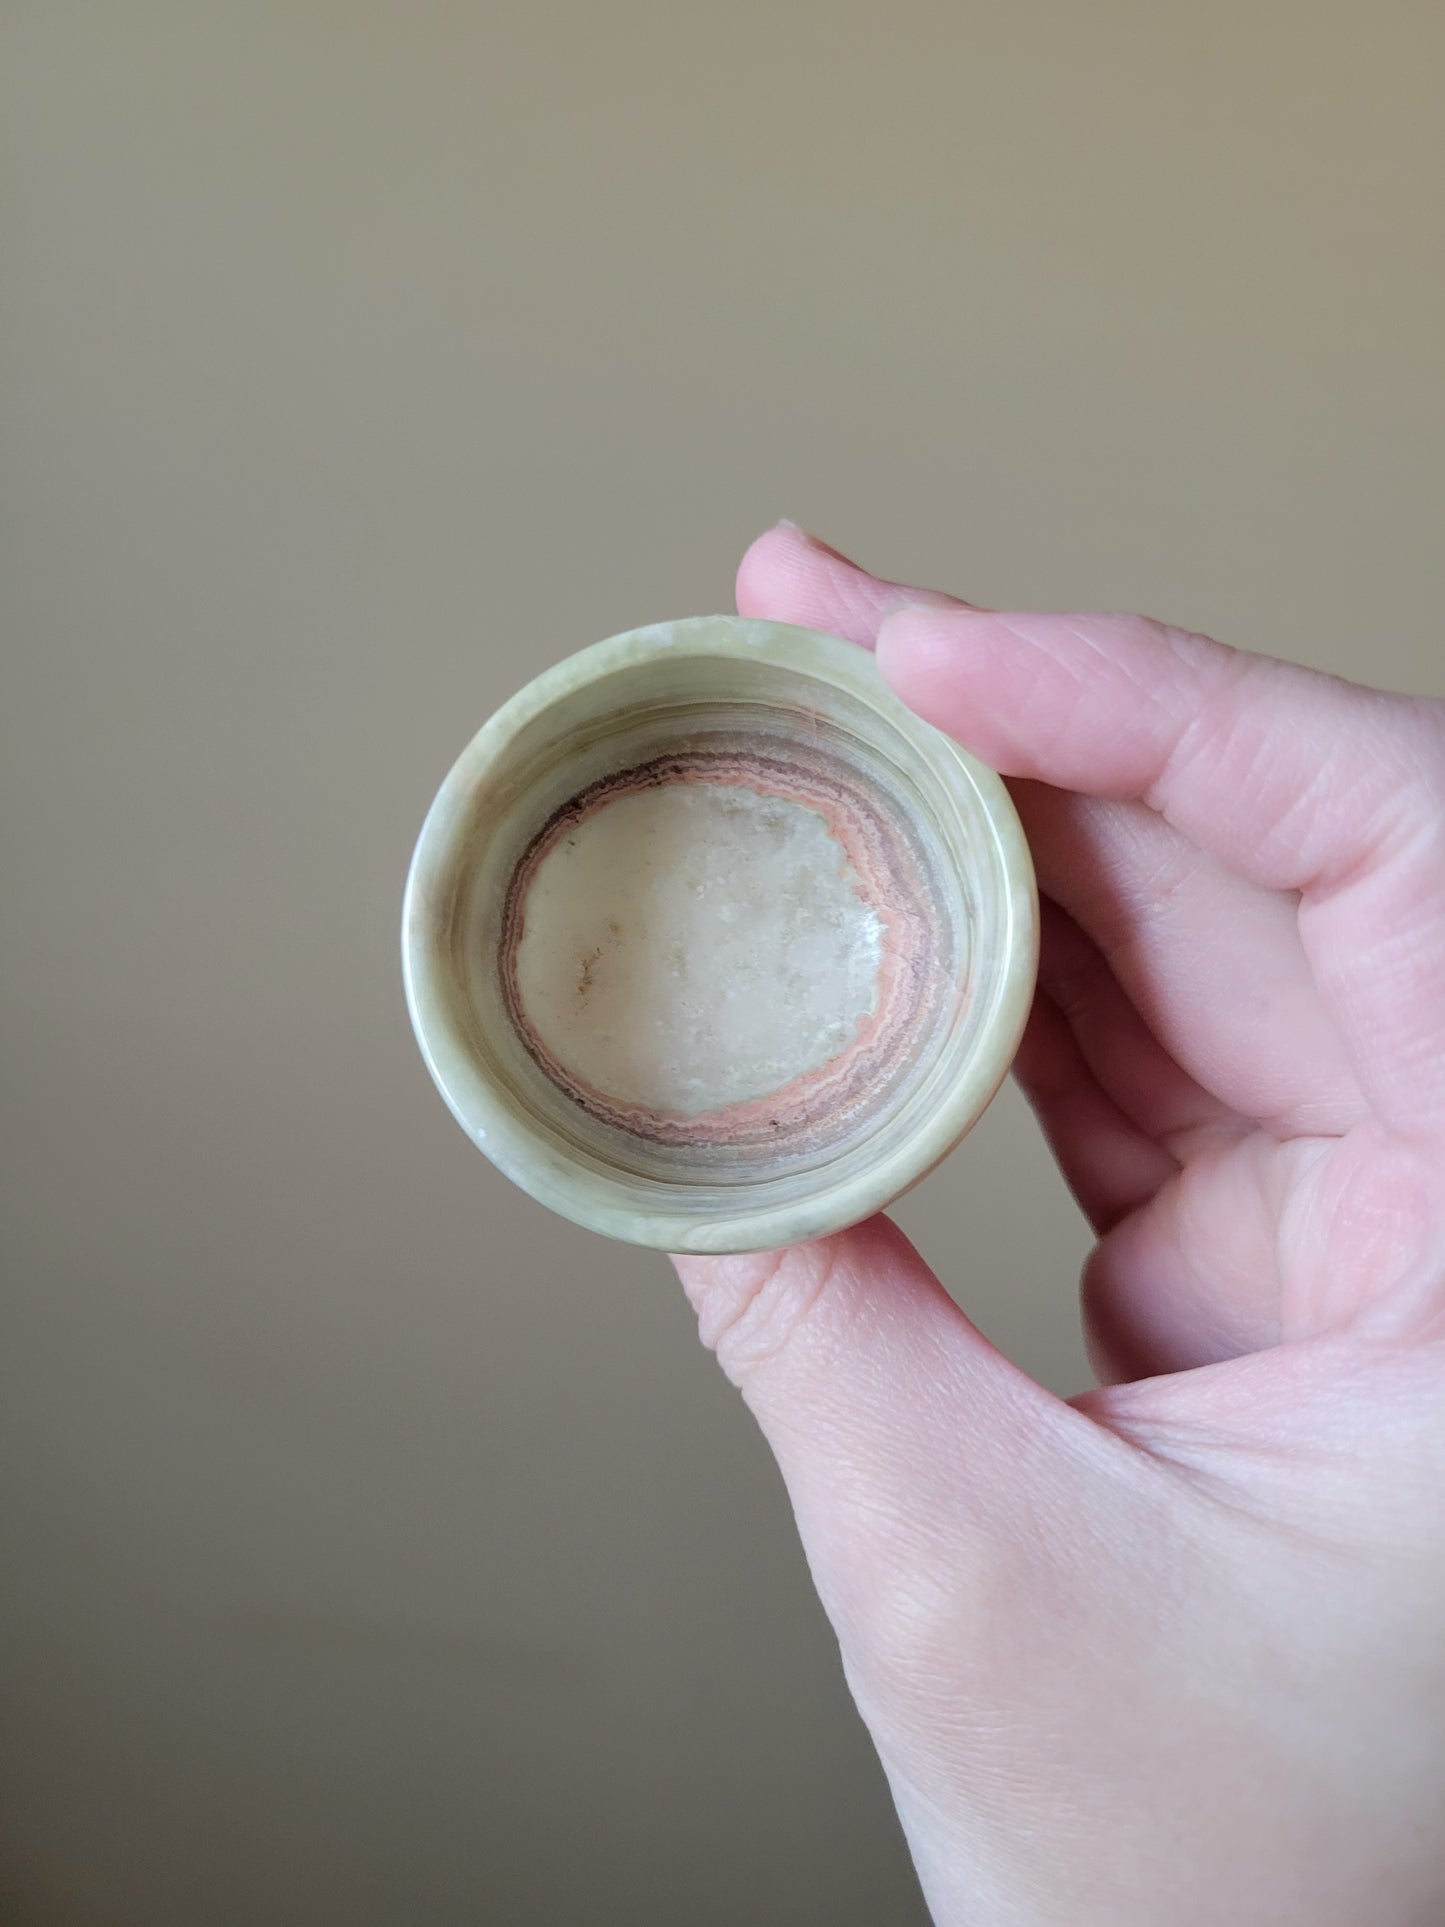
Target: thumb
{"type": "Point", "coordinates": [925, 1471]}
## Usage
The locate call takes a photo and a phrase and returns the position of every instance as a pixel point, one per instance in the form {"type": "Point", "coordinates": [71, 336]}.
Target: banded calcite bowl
{"type": "Point", "coordinates": [710, 944]}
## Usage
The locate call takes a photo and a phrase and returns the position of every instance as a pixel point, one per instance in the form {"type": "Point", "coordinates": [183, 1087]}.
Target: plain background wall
{"type": "Point", "coordinates": [377, 1549]}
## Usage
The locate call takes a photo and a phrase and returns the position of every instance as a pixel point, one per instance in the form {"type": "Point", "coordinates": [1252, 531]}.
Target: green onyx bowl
{"type": "Point", "coordinates": [710, 944]}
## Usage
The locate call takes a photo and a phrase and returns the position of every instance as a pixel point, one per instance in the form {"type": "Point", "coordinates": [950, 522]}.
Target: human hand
{"type": "Point", "coordinates": [1171, 1653]}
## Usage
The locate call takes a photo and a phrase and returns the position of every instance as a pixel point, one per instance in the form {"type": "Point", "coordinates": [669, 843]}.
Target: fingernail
{"type": "Point", "coordinates": [815, 541]}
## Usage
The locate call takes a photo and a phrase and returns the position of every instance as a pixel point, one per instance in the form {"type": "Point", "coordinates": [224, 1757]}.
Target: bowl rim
{"type": "Point", "coordinates": [584, 1195]}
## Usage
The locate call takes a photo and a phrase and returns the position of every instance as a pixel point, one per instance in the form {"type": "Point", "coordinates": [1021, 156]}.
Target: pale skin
{"type": "Point", "coordinates": [1171, 1653]}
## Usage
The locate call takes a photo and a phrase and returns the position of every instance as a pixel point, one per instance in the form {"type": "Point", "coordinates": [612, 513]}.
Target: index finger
{"type": "Point", "coordinates": [1295, 780]}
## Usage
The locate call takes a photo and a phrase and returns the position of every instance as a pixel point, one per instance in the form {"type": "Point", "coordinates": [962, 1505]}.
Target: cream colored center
{"type": "Point", "coordinates": [696, 946]}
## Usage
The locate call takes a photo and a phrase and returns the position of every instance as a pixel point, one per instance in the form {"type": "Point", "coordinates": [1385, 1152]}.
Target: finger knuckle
{"type": "Point", "coordinates": [751, 1308]}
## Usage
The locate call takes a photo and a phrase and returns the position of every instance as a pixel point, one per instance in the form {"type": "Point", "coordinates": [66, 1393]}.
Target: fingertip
{"type": "Point", "coordinates": [693, 1272]}
{"type": "Point", "coordinates": [788, 575]}
{"type": "Point", "coordinates": [737, 1277]}
{"type": "Point", "coordinates": [770, 569]}
{"type": "Point", "coordinates": [752, 1306]}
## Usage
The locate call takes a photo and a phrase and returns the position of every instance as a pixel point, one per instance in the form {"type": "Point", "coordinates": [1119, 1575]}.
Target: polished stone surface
{"type": "Point", "coordinates": [567, 1108]}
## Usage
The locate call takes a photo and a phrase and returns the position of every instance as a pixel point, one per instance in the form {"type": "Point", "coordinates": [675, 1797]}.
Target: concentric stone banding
{"type": "Point", "coordinates": [918, 953]}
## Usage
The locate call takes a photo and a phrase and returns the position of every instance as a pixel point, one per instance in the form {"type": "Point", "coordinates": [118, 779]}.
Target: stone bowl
{"type": "Point", "coordinates": [712, 945]}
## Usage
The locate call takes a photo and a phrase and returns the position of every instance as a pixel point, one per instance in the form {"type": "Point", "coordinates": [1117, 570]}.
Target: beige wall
{"type": "Point", "coordinates": [379, 1550]}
